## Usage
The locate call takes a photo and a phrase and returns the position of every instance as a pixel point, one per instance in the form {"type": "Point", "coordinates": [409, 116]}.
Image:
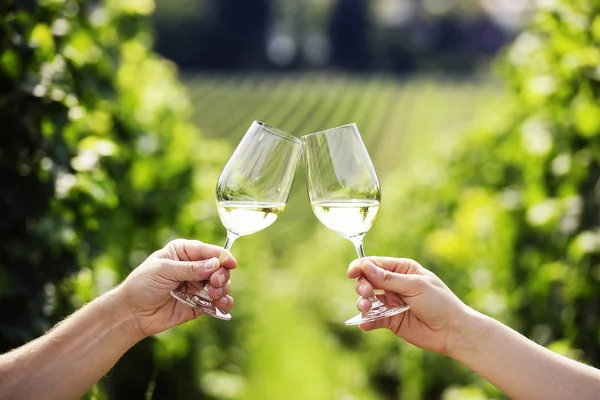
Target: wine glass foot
{"type": "Point", "coordinates": [375, 314]}
{"type": "Point", "coordinates": [202, 302]}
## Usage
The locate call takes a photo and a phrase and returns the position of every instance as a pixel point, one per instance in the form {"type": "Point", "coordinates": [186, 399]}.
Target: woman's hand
{"type": "Point", "coordinates": [435, 316]}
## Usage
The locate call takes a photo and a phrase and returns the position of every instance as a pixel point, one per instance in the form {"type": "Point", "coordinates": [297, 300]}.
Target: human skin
{"type": "Point", "coordinates": [67, 360]}
{"type": "Point", "coordinates": [439, 321]}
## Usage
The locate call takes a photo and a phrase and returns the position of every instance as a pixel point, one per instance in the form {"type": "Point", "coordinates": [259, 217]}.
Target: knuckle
{"type": "Point", "coordinates": [413, 265]}
{"type": "Point", "coordinates": [418, 281]}
{"type": "Point", "coordinates": [407, 265]}
{"type": "Point", "coordinates": [220, 278]}
{"type": "Point", "coordinates": [387, 276]}
{"type": "Point", "coordinates": [357, 283]}
{"type": "Point", "coordinates": [171, 249]}
{"type": "Point", "coordinates": [158, 264]}
{"type": "Point", "coordinates": [193, 267]}
{"type": "Point", "coordinates": [174, 242]}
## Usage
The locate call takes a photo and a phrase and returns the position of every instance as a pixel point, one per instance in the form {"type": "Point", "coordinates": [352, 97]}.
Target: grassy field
{"type": "Point", "coordinates": [290, 289]}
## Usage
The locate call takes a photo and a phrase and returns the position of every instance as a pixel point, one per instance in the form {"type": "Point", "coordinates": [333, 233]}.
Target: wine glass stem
{"type": "Point", "coordinates": [360, 250]}
{"type": "Point", "coordinates": [358, 245]}
{"type": "Point", "coordinates": [230, 239]}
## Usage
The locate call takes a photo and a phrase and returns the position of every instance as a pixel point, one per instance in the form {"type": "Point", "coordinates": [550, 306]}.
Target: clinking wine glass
{"type": "Point", "coordinates": [251, 193]}
{"type": "Point", "coordinates": [344, 194]}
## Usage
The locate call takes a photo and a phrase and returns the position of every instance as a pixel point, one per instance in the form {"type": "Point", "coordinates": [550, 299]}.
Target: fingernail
{"type": "Point", "coordinates": [221, 279]}
{"type": "Point", "coordinates": [211, 264]}
{"type": "Point", "coordinates": [362, 289]}
{"type": "Point", "coordinates": [223, 256]}
{"type": "Point", "coordinates": [363, 304]}
{"type": "Point", "coordinates": [224, 301]}
{"type": "Point", "coordinates": [371, 268]}
{"type": "Point", "coordinates": [219, 292]}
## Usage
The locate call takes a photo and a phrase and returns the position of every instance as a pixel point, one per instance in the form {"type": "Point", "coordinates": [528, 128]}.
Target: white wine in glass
{"type": "Point", "coordinates": [345, 194]}
{"type": "Point", "coordinates": [349, 218]}
{"type": "Point", "coordinates": [246, 217]}
{"type": "Point", "coordinates": [251, 193]}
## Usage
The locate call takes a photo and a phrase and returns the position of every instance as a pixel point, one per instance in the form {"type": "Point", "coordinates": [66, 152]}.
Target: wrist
{"type": "Point", "coordinates": [463, 338]}
{"type": "Point", "coordinates": [123, 319]}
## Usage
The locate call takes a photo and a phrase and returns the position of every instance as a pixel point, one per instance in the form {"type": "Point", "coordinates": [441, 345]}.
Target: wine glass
{"type": "Point", "coordinates": [251, 193]}
{"type": "Point", "coordinates": [344, 194]}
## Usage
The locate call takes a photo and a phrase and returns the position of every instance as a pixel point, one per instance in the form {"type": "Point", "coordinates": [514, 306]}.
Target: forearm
{"type": "Point", "coordinates": [519, 367]}
{"type": "Point", "coordinates": [67, 361]}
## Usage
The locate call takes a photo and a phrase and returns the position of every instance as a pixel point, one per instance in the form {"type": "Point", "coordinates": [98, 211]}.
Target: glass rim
{"type": "Point", "coordinates": [352, 124]}
{"type": "Point", "coordinates": [278, 132]}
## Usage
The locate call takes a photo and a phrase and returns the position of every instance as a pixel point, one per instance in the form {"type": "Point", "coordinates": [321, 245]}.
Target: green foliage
{"type": "Point", "coordinates": [509, 216]}
{"type": "Point", "coordinates": [291, 291]}
{"type": "Point", "coordinates": [284, 316]}
{"type": "Point", "coordinates": [98, 163]}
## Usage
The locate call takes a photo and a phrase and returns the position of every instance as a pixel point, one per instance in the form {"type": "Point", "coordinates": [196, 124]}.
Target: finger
{"type": "Point", "coordinates": [181, 271]}
{"type": "Point", "coordinates": [218, 292]}
{"type": "Point", "coordinates": [403, 284]}
{"type": "Point", "coordinates": [355, 268]}
{"type": "Point", "coordinates": [227, 259]}
{"type": "Point", "coordinates": [225, 303]}
{"type": "Point", "coordinates": [192, 287]}
{"type": "Point", "coordinates": [363, 305]}
{"type": "Point", "coordinates": [397, 265]}
{"type": "Point", "coordinates": [377, 324]}
{"type": "Point", "coordinates": [219, 278]}
{"type": "Point", "coordinates": [195, 250]}
{"type": "Point", "coordinates": [363, 287]}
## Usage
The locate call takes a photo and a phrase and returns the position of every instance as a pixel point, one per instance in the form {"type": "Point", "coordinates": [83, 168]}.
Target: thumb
{"type": "Point", "coordinates": [403, 284]}
{"type": "Point", "coordinates": [189, 270]}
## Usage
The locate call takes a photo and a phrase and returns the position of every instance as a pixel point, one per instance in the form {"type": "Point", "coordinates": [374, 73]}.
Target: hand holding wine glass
{"type": "Point", "coordinates": [345, 195]}
{"type": "Point", "coordinates": [251, 193]}
{"type": "Point", "coordinates": [436, 314]}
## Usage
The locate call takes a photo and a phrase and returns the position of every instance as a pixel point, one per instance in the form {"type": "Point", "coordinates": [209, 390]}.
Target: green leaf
{"type": "Point", "coordinates": [586, 115]}
{"type": "Point", "coordinates": [41, 37]}
{"type": "Point", "coordinates": [10, 63]}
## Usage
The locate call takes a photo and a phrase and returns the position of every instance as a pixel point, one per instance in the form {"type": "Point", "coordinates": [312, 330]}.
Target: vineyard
{"type": "Point", "coordinates": [108, 155]}
{"type": "Point", "coordinates": [388, 112]}
{"type": "Point", "coordinates": [290, 289]}
{"type": "Point", "coordinates": [399, 120]}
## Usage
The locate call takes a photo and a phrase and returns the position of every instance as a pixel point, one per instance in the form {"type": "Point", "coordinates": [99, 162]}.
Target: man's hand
{"type": "Point", "coordinates": [146, 291]}
{"type": "Point", "coordinates": [82, 348]}
{"type": "Point", "coordinates": [435, 313]}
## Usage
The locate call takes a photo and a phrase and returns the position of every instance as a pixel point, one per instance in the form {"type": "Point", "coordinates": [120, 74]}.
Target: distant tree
{"type": "Point", "coordinates": [349, 32]}
{"type": "Point", "coordinates": [215, 34]}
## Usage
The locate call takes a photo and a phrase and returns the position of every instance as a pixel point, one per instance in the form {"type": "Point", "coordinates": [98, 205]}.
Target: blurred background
{"type": "Point", "coordinates": [482, 118]}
